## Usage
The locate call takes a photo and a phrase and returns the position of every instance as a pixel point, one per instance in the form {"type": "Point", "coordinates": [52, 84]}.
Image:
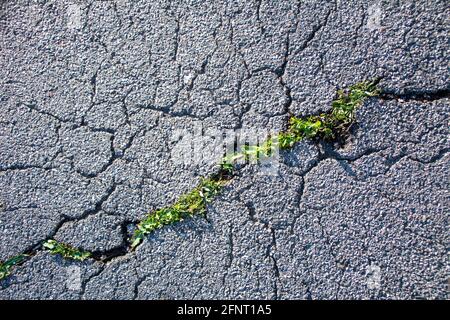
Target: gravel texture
{"type": "Point", "coordinates": [93, 94]}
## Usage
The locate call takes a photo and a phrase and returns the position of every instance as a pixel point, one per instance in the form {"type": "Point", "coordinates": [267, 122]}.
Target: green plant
{"type": "Point", "coordinates": [343, 108]}
{"type": "Point", "coordinates": [187, 205]}
{"type": "Point", "coordinates": [7, 266]}
{"type": "Point", "coordinates": [286, 140]}
{"type": "Point", "coordinates": [325, 126]}
{"type": "Point", "coordinates": [227, 167]}
{"type": "Point", "coordinates": [65, 250]}
{"type": "Point", "coordinates": [335, 122]}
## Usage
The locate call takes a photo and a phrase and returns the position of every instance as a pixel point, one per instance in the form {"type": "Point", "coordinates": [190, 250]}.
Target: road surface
{"type": "Point", "coordinates": [92, 93]}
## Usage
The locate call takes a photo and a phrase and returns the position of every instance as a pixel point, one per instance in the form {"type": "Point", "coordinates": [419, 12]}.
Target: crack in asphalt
{"type": "Point", "coordinates": [271, 247]}
{"type": "Point", "coordinates": [316, 29]}
{"type": "Point", "coordinates": [325, 152]}
{"type": "Point", "coordinates": [415, 95]}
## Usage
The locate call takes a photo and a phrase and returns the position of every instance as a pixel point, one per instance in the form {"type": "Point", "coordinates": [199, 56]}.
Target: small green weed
{"type": "Point", "coordinates": [188, 205]}
{"type": "Point", "coordinates": [327, 126]}
{"type": "Point", "coordinates": [227, 167]}
{"type": "Point", "coordinates": [286, 140]}
{"type": "Point", "coordinates": [335, 122]}
{"type": "Point", "coordinates": [7, 266]}
{"type": "Point", "coordinates": [65, 250]}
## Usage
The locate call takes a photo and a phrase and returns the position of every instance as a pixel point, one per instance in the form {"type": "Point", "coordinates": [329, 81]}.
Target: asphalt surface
{"type": "Point", "coordinates": [92, 93]}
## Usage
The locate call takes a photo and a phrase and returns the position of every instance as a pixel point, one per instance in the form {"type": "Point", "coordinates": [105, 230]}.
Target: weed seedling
{"type": "Point", "coordinates": [326, 126]}
{"type": "Point", "coordinates": [188, 205]}
{"type": "Point", "coordinates": [65, 250]}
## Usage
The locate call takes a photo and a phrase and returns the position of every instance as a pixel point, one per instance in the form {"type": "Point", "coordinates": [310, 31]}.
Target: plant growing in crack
{"type": "Point", "coordinates": [188, 205]}
{"type": "Point", "coordinates": [7, 266]}
{"type": "Point", "coordinates": [65, 250]}
{"type": "Point", "coordinates": [326, 126]}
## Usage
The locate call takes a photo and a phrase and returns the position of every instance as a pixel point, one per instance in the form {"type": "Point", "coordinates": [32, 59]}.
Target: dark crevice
{"type": "Point", "coordinates": [308, 293]}
{"type": "Point", "coordinates": [275, 264]}
{"type": "Point", "coordinates": [33, 106]}
{"type": "Point", "coordinates": [271, 246]}
{"type": "Point", "coordinates": [331, 153]}
{"type": "Point", "coordinates": [258, 17]}
{"type": "Point", "coordinates": [316, 30]}
{"type": "Point", "coordinates": [85, 282]}
{"type": "Point", "coordinates": [341, 265]}
{"type": "Point", "coordinates": [280, 71]}
{"type": "Point", "coordinates": [434, 158]}
{"type": "Point", "coordinates": [136, 286]}
{"type": "Point", "coordinates": [177, 39]}
{"type": "Point", "coordinates": [93, 82]}
{"type": "Point", "coordinates": [107, 255]}
{"type": "Point", "coordinates": [115, 155]}
{"type": "Point", "coordinates": [230, 259]}
{"type": "Point", "coordinates": [416, 95]}
{"type": "Point", "coordinates": [22, 167]}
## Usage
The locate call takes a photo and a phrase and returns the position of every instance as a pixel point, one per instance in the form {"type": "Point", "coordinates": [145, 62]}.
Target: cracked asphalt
{"type": "Point", "coordinates": [92, 92]}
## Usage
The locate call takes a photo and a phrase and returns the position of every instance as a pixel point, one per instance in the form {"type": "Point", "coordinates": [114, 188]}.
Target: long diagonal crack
{"type": "Point", "coordinates": [317, 127]}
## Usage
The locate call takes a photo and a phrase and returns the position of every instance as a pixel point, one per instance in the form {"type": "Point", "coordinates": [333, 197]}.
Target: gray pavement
{"type": "Point", "coordinates": [92, 93]}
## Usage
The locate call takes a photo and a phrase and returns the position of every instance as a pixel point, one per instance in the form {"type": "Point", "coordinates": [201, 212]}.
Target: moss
{"type": "Point", "coordinates": [65, 250]}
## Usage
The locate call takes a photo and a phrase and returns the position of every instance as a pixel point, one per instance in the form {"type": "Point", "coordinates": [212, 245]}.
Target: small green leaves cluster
{"type": "Point", "coordinates": [65, 250]}
{"type": "Point", "coordinates": [188, 205]}
{"type": "Point", "coordinates": [248, 153]}
{"type": "Point", "coordinates": [7, 266]}
{"type": "Point", "coordinates": [329, 125]}
{"type": "Point", "coordinates": [326, 126]}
